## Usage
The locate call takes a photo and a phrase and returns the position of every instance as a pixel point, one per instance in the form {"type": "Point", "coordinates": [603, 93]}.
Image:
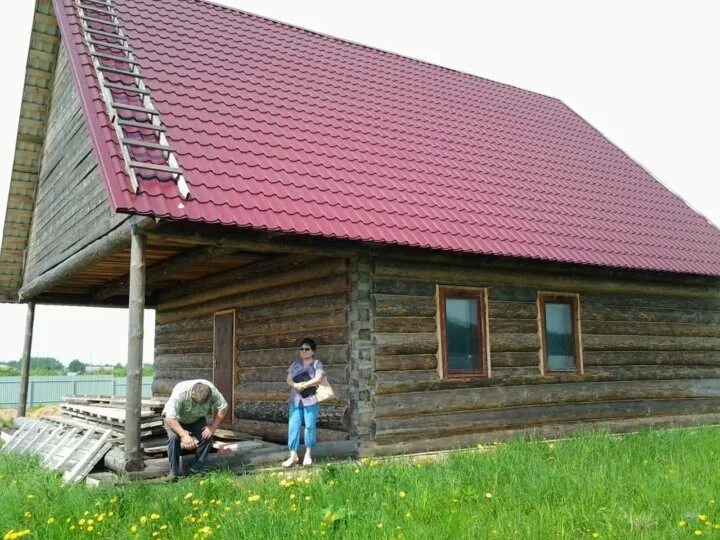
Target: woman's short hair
{"type": "Point", "coordinates": [309, 342]}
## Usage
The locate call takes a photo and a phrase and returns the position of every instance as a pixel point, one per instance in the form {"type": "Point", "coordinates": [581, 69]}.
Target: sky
{"type": "Point", "coordinates": [642, 72]}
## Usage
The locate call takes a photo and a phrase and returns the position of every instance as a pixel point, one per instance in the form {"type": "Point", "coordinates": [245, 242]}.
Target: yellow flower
{"type": "Point", "coordinates": [111, 513]}
{"type": "Point", "coordinates": [698, 532]}
{"type": "Point", "coordinates": [90, 521]}
{"type": "Point", "coordinates": [401, 494]}
{"type": "Point", "coordinates": [51, 520]}
{"type": "Point", "coordinates": [27, 514]}
{"type": "Point", "coordinates": [143, 519]}
{"type": "Point", "coordinates": [133, 529]}
{"type": "Point", "coordinates": [702, 517]}
{"type": "Point", "coordinates": [292, 495]}
{"type": "Point", "coordinates": [113, 500]}
{"type": "Point", "coordinates": [379, 525]}
{"type": "Point", "coordinates": [154, 516]}
{"type": "Point", "coordinates": [163, 527]}
{"type": "Point", "coordinates": [682, 524]}
{"type": "Point", "coordinates": [155, 534]}
{"type": "Point", "coordinates": [408, 514]}
{"type": "Point", "coordinates": [86, 513]}
{"type": "Point", "coordinates": [188, 496]}
{"type": "Point", "coordinates": [308, 497]}
{"type": "Point", "coordinates": [81, 522]}
{"type": "Point", "coordinates": [253, 498]}
{"type": "Point", "coordinates": [711, 501]}
{"type": "Point", "coordinates": [30, 496]}
{"type": "Point", "coordinates": [90, 528]}
{"type": "Point", "coordinates": [488, 495]}
{"type": "Point", "coordinates": [595, 535]}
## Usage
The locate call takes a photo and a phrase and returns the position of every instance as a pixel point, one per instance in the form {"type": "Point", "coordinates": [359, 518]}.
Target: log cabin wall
{"type": "Point", "coordinates": [651, 355]}
{"type": "Point", "coordinates": [71, 205]}
{"type": "Point", "coordinates": [277, 302]}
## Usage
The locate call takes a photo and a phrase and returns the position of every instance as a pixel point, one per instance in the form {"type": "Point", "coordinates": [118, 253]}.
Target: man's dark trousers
{"type": "Point", "coordinates": [174, 451]}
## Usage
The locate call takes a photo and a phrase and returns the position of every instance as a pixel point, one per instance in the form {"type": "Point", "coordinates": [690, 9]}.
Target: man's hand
{"type": "Point", "coordinates": [207, 432]}
{"type": "Point", "coordinates": [187, 442]}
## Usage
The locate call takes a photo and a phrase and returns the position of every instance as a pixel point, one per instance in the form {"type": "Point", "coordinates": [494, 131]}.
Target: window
{"type": "Point", "coordinates": [559, 333]}
{"type": "Point", "coordinates": [463, 321]}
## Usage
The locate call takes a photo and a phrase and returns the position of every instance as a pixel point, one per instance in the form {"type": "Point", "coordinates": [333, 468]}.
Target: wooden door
{"type": "Point", "coordinates": [224, 358]}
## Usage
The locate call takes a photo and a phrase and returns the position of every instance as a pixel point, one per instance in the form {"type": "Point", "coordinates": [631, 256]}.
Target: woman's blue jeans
{"type": "Point", "coordinates": [296, 416]}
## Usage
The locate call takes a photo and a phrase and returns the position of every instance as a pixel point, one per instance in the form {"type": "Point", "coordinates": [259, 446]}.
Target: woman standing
{"type": "Point", "coordinates": [304, 376]}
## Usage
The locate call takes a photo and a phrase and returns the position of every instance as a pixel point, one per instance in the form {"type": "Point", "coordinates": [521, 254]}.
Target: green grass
{"type": "Point", "coordinates": [638, 486]}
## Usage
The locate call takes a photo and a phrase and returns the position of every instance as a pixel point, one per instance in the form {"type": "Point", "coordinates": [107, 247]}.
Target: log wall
{"type": "Point", "coordinates": [650, 354]}
{"type": "Point", "coordinates": [278, 301]}
{"type": "Point", "coordinates": [71, 205]}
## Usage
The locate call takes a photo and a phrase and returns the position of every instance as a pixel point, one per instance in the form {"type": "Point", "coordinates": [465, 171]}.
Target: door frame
{"type": "Point", "coordinates": [229, 418]}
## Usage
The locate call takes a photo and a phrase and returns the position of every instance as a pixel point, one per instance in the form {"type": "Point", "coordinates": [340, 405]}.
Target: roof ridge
{"type": "Point", "coordinates": [374, 48]}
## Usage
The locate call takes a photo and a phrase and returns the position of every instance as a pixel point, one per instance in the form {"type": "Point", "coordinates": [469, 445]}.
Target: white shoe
{"type": "Point", "coordinates": [289, 462]}
{"type": "Point", "coordinates": [307, 461]}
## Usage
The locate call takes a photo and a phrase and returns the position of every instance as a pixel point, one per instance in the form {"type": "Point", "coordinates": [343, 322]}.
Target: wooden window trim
{"type": "Point", "coordinates": [563, 298]}
{"type": "Point", "coordinates": [475, 294]}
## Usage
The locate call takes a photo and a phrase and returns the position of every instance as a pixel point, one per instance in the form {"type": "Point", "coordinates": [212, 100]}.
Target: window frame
{"type": "Point", "coordinates": [573, 299]}
{"type": "Point", "coordinates": [483, 344]}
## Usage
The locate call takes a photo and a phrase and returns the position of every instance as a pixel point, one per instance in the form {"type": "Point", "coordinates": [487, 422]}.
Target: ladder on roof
{"type": "Point", "coordinates": [143, 143]}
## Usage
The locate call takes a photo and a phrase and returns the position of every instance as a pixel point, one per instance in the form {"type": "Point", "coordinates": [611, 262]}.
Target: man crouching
{"type": "Point", "coordinates": [186, 424]}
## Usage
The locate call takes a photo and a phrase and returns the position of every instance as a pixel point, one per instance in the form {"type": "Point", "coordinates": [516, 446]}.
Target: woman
{"type": "Point", "coordinates": [304, 376]}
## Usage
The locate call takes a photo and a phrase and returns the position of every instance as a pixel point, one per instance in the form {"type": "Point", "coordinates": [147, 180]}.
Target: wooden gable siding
{"type": "Point", "coordinates": [277, 302]}
{"type": "Point", "coordinates": [649, 359]}
{"type": "Point", "coordinates": [44, 44]}
{"type": "Point", "coordinates": [71, 204]}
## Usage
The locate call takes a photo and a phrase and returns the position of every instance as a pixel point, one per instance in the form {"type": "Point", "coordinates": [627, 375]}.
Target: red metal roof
{"type": "Point", "coordinates": [283, 129]}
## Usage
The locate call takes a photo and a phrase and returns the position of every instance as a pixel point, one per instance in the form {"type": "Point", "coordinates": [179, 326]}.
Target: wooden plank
{"type": "Point", "coordinates": [298, 321]}
{"type": "Point", "coordinates": [277, 431]}
{"type": "Point", "coordinates": [613, 313]}
{"type": "Point", "coordinates": [280, 340]}
{"type": "Point", "coordinates": [620, 358]}
{"type": "Point", "coordinates": [650, 343]}
{"type": "Point", "coordinates": [395, 325]}
{"type": "Point", "coordinates": [514, 342]}
{"type": "Point", "coordinates": [329, 355]}
{"type": "Point", "coordinates": [390, 344]}
{"type": "Point", "coordinates": [279, 391]}
{"type": "Point", "coordinates": [403, 287]}
{"type": "Point", "coordinates": [387, 305]}
{"type": "Point", "coordinates": [650, 329]}
{"type": "Point", "coordinates": [334, 417]}
{"type": "Point", "coordinates": [405, 362]}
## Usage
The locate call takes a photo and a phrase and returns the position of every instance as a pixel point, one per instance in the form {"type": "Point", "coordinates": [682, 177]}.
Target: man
{"type": "Point", "coordinates": [185, 422]}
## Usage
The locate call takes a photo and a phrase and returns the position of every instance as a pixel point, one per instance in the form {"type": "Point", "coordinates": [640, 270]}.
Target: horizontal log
{"type": "Point", "coordinates": [514, 359]}
{"type": "Point", "coordinates": [404, 287]}
{"type": "Point", "coordinates": [399, 325]}
{"type": "Point", "coordinates": [386, 344]}
{"type": "Point", "coordinates": [649, 328]}
{"type": "Point", "coordinates": [335, 374]}
{"type": "Point", "coordinates": [614, 313]}
{"type": "Point", "coordinates": [392, 382]}
{"type": "Point", "coordinates": [178, 361]}
{"type": "Point", "coordinates": [513, 326]}
{"type": "Point", "coordinates": [306, 306]}
{"type": "Point", "coordinates": [179, 327]}
{"type": "Point", "coordinates": [283, 322]}
{"type": "Point", "coordinates": [651, 301]}
{"type": "Point", "coordinates": [278, 432]}
{"type": "Point", "coordinates": [393, 305]}
{"type": "Point", "coordinates": [621, 358]}
{"type": "Point", "coordinates": [335, 335]}
{"type": "Point", "coordinates": [405, 361]}
{"type": "Point", "coordinates": [184, 373]}
{"type": "Point", "coordinates": [649, 343]}
{"type": "Point", "coordinates": [335, 417]}
{"type": "Point", "coordinates": [511, 310]}
{"type": "Point", "coordinates": [191, 347]}
{"type": "Point", "coordinates": [540, 394]}
{"type": "Point", "coordinates": [268, 280]}
{"type": "Point", "coordinates": [163, 387]}
{"type": "Point", "coordinates": [542, 280]}
{"type": "Point", "coordinates": [329, 355]}
{"type": "Point", "coordinates": [512, 294]}
{"type": "Point", "coordinates": [263, 297]}
{"type": "Point", "coordinates": [441, 425]}
{"type": "Point", "coordinates": [279, 391]}
{"type": "Point", "coordinates": [195, 334]}
{"type": "Point", "coordinates": [514, 342]}
{"type": "Point", "coordinates": [549, 431]}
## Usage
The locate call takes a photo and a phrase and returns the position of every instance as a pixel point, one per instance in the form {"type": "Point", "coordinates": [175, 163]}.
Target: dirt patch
{"type": "Point", "coordinates": [7, 414]}
{"type": "Point", "coordinates": [33, 412]}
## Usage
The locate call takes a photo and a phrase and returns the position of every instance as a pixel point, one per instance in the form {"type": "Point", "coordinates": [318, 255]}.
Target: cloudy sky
{"type": "Point", "coordinates": [645, 73]}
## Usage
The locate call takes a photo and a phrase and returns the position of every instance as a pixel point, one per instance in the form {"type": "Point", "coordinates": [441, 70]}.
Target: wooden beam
{"type": "Point", "coordinates": [25, 366]}
{"type": "Point", "coordinates": [133, 460]}
{"type": "Point", "coordinates": [117, 240]}
{"type": "Point", "coordinates": [164, 270]}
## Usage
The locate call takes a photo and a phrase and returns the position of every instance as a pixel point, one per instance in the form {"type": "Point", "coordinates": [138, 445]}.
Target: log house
{"type": "Point", "coordinates": [450, 307]}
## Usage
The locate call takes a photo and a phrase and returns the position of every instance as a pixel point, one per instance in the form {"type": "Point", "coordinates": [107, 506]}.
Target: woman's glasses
{"type": "Point", "coordinates": [305, 349]}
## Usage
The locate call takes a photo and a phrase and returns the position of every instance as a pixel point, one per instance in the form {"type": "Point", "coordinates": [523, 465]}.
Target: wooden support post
{"type": "Point", "coordinates": [136, 304]}
{"type": "Point", "coordinates": [25, 367]}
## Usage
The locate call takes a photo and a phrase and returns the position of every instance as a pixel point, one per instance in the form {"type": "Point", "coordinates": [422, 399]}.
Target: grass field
{"type": "Point", "coordinates": [662, 484]}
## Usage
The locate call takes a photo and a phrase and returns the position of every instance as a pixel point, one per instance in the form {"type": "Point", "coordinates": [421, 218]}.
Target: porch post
{"type": "Point", "coordinates": [133, 396]}
{"type": "Point", "coordinates": [25, 365]}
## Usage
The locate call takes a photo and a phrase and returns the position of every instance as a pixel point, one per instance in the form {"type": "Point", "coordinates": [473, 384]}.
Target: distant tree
{"type": "Point", "coordinates": [119, 371]}
{"type": "Point", "coordinates": [7, 370]}
{"type": "Point", "coordinates": [148, 371]}
{"type": "Point", "coordinates": [119, 366]}
{"type": "Point", "coordinates": [46, 363]}
{"type": "Point", "coordinates": [76, 366]}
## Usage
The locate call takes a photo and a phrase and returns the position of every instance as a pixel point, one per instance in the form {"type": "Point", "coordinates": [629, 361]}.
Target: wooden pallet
{"type": "Point", "coordinates": [72, 449]}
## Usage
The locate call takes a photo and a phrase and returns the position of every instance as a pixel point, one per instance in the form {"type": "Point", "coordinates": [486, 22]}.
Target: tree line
{"type": "Point", "coordinates": [45, 365]}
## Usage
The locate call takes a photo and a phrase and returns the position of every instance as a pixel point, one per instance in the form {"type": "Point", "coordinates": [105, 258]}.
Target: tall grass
{"type": "Point", "coordinates": [661, 484]}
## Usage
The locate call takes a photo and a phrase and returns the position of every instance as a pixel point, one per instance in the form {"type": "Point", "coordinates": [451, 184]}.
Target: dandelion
{"type": "Point", "coordinates": [30, 496]}
{"type": "Point", "coordinates": [292, 495]}
{"type": "Point", "coordinates": [308, 497]}
{"type": "Point", "coordinates": [401, 494]}
{"type": "Point", "coordinates": [253, 498]}
{"type": "Point", "coordinates": [27, 514]}
{"type": "Point", "coordinates": [81, 522]}
{"type": "Point", "coordinates": [711, 501]}
{"type": "Point", "coordinates": [188, 496]}
{"type": "Point", "coordinates": [154, 516]}
{"type": "Point", "coordinates": [682, 524]}
{"type": "Point", "coordinates": [163, 527]}
{"type": "Point", "coordinates": [698, 532]}
{"type": "Point", "coordinates": [90, 528]}
{"type": "Point", "coordinates": [143, 519]}
{"type": "Point", "coordinates": [595, 535]}
{"type": "Point", "coordinates": [111, 513]}
{"type": "Point", "coordinates": [113, 500]}
{"type": "Point", "coordinates": [702, 517]}
{"type": "Point", "coordinates": [480, 446]}
{"type": "Point", "coordinates": [488, 495]}
{"type": "Point", "coordinates": [50, 520]}
{"type": "Point", "coordinates": [133, 529]}
{"type": "Point", "coordinates": [379, 525]}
